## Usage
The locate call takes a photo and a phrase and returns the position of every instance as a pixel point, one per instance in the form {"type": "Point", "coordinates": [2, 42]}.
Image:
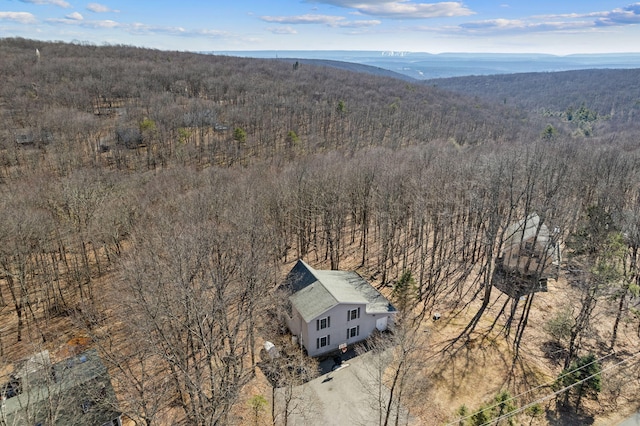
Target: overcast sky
{"type": "Point", "coordinates": [531, 26]}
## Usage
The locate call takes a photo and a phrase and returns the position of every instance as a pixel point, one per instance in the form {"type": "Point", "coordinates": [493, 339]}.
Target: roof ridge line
{"type": "Point", "coordinates": [312, 271]}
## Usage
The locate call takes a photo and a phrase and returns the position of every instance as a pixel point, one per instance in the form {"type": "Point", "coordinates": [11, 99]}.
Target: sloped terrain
{"type": "Point", "coordinates": [152, 202]}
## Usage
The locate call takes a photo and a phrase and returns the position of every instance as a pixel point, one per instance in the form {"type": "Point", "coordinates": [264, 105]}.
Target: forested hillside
{"type": "Point", "coordinates": [604, 101]}
{"type": "Point", "coordinates": [152, 202]}
{"type": "Point", "coordinates": [72, 89]}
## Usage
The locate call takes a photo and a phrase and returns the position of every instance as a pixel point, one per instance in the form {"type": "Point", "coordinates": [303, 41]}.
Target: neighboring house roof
{"type": "Point", "coordinates": [526, 230]}
{"type": "Point", "coordinates": [315, 292]}
{"type": "Point", "coordinates": [32, 136]}
{"type": "Point", "coordinates": [74, 391]}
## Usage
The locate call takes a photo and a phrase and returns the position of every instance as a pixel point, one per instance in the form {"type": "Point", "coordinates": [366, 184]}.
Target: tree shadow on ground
{"type": "Point", "coordinates": [568, 417]}
{"type": "Point", "coordinates": [554, 352]}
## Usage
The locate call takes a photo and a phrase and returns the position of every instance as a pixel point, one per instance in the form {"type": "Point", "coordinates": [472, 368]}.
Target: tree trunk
{"type": "Point", "coordinates": [621, 304]}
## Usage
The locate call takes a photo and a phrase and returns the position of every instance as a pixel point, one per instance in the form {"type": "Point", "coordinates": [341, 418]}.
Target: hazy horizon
{"type": "Point", "coordinates": [544, 26]}
{"type": "Point", "coordinates": [423, 65]}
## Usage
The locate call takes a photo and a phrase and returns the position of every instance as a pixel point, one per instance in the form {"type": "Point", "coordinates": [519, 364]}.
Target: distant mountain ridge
{"type": "Point", "coordinates": [350, 66]}
{"type": "Point", "coordinates": [423, 66]}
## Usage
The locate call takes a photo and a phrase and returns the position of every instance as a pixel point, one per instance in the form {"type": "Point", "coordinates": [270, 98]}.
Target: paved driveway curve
{"type": "Point", "coordinates": [632, 421]}
{"type": "Point", "coordinates": [347, 396]}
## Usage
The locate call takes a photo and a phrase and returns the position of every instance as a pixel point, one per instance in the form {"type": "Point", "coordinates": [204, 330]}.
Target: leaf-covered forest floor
{"type": "Point", "coordinates": [398, 159]}
{"type": "Point", "coordinates": [470, 373]}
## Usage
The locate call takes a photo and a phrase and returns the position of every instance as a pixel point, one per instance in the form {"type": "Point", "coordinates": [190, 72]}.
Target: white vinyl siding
{"type": "Point", "coordinates": [339, 325]}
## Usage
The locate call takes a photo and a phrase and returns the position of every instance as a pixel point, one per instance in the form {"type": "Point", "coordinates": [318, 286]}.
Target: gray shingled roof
{"type": "Point", "coordinates": [315, 292]}
{"type": "Point", "coordinates": [78, 390]}
{"type": "Point", "coordinates": [525, 230]}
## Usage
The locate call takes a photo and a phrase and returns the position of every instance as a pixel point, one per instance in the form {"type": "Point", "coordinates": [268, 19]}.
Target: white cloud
{"type": "Point", "coordinates": [211, 33]}
{"type": "Point", "coordinates": [402, 9]}
{"type": "Point", "coordinates": [140, 28]}
{"type": "Point", "coordinates": [304, 19]}
{"type": "Point", "coordinates": [76, 16]}
{"type": "Point", "coordinates": [282, 30]}
{"type": "Point", "coordinates": [507, 25]}
{"type": "Point", "coordinates": [21, 17]}
{"type": "Point", "coordinates": [495, 23]}
{"type": "Point", "coordinates": [329, 20]}
{"type": "Point", "coordinates": [407, 10]}
{"type": "Point", "coordinates": [100, 8]}
{"type": "Point", "coordinates": [106, 23]}
{"type": "Point", "coordinates": [60, 3]}
{"type": "Point", "coordinates": [134, 28]}
{"type": "Point", "coordinates": [629, 15]}
{"type": "Point", "coordinates": [359, 24]}
{"type": "Point", "coordinates": [624, 16]}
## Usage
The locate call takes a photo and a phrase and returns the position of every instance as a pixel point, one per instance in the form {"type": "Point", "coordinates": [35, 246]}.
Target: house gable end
{"type": "Point", "coordinates": [300, 276]}
{"type": "Point", "coordinates": [312, 301]}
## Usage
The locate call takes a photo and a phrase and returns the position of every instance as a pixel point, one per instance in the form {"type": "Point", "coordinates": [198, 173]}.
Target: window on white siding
{"type": "Point", "coordinates": [323, 341]}
{"type": "Point", "coordinates": [353, 332]}
{"type": "Point", "coordinates": [353, 314]}
{"type": "Point", "coordinates": [322, 323]}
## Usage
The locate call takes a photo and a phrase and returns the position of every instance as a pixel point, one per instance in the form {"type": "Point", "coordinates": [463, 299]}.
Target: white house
{"type": "Point", "coordinates": [531, 255]}
{"type": "Point", "coordinates": [330, 308]}
{"type": "Point", "coordinates": [529, 248]}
